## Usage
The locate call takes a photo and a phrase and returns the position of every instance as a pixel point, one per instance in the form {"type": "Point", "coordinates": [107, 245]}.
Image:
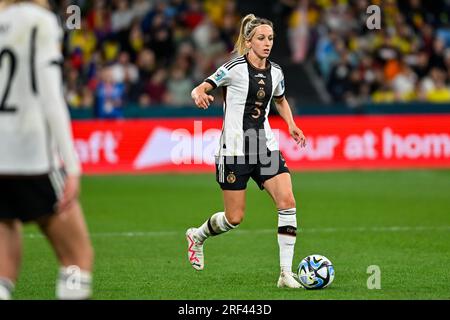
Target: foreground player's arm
{"type": "Point", "coordinates": [50, 92]}
{"type": "Point", "coordinates": [200, 95]}
{"type": "Point", "coordinates": [285, 112]}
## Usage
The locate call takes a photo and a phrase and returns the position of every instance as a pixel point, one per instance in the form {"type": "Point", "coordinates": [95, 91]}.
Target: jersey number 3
{"type": "Point", "coordinates": [6, 55]}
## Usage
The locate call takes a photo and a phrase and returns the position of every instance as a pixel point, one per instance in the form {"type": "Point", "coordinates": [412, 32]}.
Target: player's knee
{"type": "Point", "coordinates": [287, 202]}
{"type": "Point", "coordinates": [236, 217]}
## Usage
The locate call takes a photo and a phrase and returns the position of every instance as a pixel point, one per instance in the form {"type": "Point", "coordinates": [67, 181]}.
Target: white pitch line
{"type": "Point", "coordinates": [257, 231]}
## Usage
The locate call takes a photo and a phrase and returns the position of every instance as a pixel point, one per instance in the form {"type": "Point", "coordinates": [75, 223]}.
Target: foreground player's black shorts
{"type": "Point", "coordinates": [29, 198]}
{"type": "Point", "coordinates": [233, 173]}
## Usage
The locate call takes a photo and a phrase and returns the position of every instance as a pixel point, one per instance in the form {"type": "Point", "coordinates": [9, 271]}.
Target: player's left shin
{"type": "Point", "coordinates": [287, 235]}
{"type": "Point", "coordinates": [215, 225]}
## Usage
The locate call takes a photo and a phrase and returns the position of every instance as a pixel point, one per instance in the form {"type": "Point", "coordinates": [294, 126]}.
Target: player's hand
{"type": "Point", "coordinates": [203, 100]}
{"type": "Point", "coordinates": [298, 136]}
{"type": "Point", "coordinates": [70, 195]}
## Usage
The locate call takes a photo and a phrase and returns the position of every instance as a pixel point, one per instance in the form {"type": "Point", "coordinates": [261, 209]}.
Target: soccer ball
{"type": "Point", "coordinates": [315, 272]}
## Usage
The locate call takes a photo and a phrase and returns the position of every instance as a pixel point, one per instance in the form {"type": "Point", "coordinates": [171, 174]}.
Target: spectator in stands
{"type": "Point", "coordinates": [81, 45]}
{"type": "Point", "coordinates": [141, 7]}
{"type": "Point", "coordinates": [437, 57]}
{"type": "Point", "coordinates": [384, 94]}
{"type": "Point", "coordinates": [127, 73]}
{"type": "Point", "coordinates": [135, 42]}
{"type": "Point", "coordinates": [327, 52]}
{"type": "Point", "coordinates": [87, 97]}
{"type": "Point", "coordinates": [427, 36]}
{"type": "Point", "coordinates": [440, 93]}
{"type": "Point", "coordinates": [368, 70]}
{"type": "Point", "coordinates": [179, 88]}
{"type": "Point", "coordinates": [404, 84]}
{"type": "Point", "coordinates": [421, 64]}
{"type": "Point", "coordinates": [208, 40]}
{"type": "Point", "coordinates": [159, 8]}
{"type": "Point", "coordinates": [186, 55]}
{"type": "Point", "coordinates": [72, 89]}
{"type": "Point", "coordinates": [161, 41]}
{"type": "Point", "coordinates": [122, 17]}
{"type": "Point", "coordinates": [109, 96]}
{"type": "Point", "coordinates": [429, 83]}
{"type": "Point", "coordinates": [194, 14]}
{"type": "Point", "coordinates": [339, 83]}
{"type": "Point", "coordinates": [155, 91]}
{"type": "Point", "coordinates": [146, 63]}
{"type": "Point", "coordinates": [124, 71]}
{"type": "Point", "coordinates": [352, 92]}
{"type": "Point", "coordinates": [99, 20]}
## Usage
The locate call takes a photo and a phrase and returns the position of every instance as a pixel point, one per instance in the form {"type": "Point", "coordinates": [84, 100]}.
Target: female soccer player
{"type": "Point", "coordinates": [34, 132]}
{"type": "Point", "coordinates": [247, 145]}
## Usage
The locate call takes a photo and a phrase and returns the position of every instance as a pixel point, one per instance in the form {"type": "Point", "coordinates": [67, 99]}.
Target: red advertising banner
{"type": "Point", "coordinates": [334, 142]}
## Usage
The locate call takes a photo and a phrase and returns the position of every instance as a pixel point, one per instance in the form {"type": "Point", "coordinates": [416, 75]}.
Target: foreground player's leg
{"type": "Point", "coordinates": [280, 189]}
{"type": "Point", "coordinates": [68, 234]}
{"type": "Point", "coordinates": [218, 223]}
{"type": "Point", "coordinates": [10, 256]}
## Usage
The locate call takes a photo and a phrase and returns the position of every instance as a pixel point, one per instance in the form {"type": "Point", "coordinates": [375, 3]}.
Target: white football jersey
{"type": "Point", "coordinates": [35, 132]}
{"type": "Point", "coordinates": [247, 93]}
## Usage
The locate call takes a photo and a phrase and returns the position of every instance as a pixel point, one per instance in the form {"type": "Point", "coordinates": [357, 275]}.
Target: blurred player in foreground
{"type": "Point", "coordinates": [35, 135]}
{"type": "Point", "coordinates": [248, 148]}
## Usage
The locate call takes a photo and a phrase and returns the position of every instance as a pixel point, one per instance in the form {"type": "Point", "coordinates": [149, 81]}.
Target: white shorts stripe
{"type": "Point", "coordinates": [57, 182]}
{"type": "Point", "coordinates": [221, 169]}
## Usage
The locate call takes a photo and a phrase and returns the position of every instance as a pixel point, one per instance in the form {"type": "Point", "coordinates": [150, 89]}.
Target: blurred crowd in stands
{"type": "Point", "coordinates": [407, 59]}
{"type": "Point", "coordinates": [153, 52]}
{"type": "Point", "coordinates": [145, 52]}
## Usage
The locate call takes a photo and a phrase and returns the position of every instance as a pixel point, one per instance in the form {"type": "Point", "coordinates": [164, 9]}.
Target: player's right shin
{"type": "Point", "coordinates": [73, 284]}
{"type": "Point", "coordinates": [287, 233]}
{"type": "Point", "coordinates": [6, 289]}
{"type": "Point", "coordinates": [214, 226]}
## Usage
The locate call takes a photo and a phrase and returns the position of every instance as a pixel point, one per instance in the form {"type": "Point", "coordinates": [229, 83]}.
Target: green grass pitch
{"type": "Point", "coordinates": [397, 220]}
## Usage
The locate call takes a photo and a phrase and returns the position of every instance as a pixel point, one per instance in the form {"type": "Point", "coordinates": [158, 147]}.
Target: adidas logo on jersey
{"type": "Point", "coordinates": [261, 82]}
{"type": "Point", "coordinates": [260, 75]}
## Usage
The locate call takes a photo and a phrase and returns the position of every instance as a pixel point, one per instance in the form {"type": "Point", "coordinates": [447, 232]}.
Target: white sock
{"type": "Point", "coordinates": [214, 226]}
{"type": "Point", "coordinates": [6, 289]}
{"type": "Point", "coordinates": [73, 284]}
{"type": "Point", "coordinates": [287, 235]}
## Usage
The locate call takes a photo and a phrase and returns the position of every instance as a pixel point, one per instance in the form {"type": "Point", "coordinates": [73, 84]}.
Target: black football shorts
{"type": "Point", "coordinates": [233, 172]}
{"type": "Point", "coordinates": [29, 198]}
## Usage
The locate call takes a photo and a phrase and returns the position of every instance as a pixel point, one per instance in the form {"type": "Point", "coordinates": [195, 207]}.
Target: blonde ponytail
{"type": "Point", "coordinates": [247, 30]}
{"type": "Point", "coordinates": [239, 47]}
